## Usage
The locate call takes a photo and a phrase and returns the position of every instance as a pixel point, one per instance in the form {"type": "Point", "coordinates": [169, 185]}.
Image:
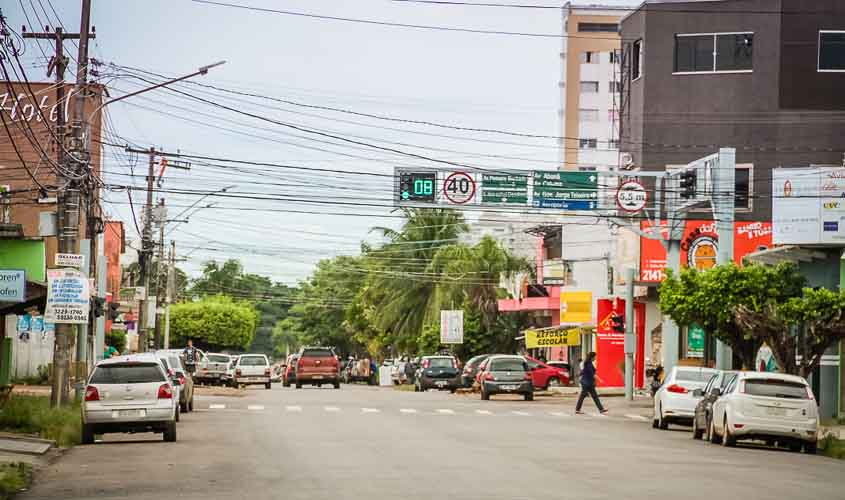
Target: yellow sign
{"type": "Point", "coordinates": [576, 307]}
{"type": "Point", "coordinates": [552, 338]}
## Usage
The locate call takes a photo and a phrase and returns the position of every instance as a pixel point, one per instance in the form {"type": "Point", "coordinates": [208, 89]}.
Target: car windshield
{"type": "Point", "coordinates": [441, 363]}
{"type": "Point", "coordinates": [253, 361]}
{"type": "Point", "coordinates": [507, 365]}
{"type": "Point", "coordinates": [128, 373]}
{"type": "Point", "coordinates": [776, 388]}
{"type": "Point", "coordinates": [693, 375]}
{"type": "Point", "coordinates": [317, 353]}
{"type": "Point", "coordinates": [218, 358]}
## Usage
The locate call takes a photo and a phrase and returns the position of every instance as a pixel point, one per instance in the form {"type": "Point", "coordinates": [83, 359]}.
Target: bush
{"type": "Point", "coordinates": [33, 415]}
{"type": "Point", "coordinates": [14, 478]}
{"type": "Point", "coordinates": [116, 339]}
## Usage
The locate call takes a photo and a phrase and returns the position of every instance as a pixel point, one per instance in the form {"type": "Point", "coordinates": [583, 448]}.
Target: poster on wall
{"type": "Point", "coordinates": [699, 246]}
{"type": "Point", "coordinates": [610, 345]}
{"type": "Point", "coordinates": [68, 296]}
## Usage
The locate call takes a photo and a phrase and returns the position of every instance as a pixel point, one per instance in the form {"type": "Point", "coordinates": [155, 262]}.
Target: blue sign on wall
{"type": "Point", "coordinates": [12, 285]}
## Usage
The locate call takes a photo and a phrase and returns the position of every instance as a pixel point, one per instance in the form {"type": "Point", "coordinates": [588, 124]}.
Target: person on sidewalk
{"type": "Point", "coordinates": [190, 353]}
{"type": "Point", "coordinates": [588, 385]}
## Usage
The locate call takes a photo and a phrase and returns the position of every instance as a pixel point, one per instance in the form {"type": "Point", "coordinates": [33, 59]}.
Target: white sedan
{"type": "Point", "coordinates": [773, 407]}
{"type": "Point", "coordinates": [675, 402]}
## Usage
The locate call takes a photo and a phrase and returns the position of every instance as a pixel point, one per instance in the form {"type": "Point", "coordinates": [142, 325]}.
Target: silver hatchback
{"type": "Point", "coordinates": [129, 394]}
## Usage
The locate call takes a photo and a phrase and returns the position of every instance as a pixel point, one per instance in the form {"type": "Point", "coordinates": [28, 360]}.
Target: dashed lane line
{"type": "Point", "coordinates": [331, 409]}
{"type": "Point", "coordinates": [255, 407]}
{"type": "Point", "coordinates": [370, 410]}
{"type": "Point", "coordinates": [484, 412]}
{"type": "Point", "coordinates": [521, 413]}
{"type": "Point", "coordinates": [558, 414]}
{"type": "Point", "coordinates": [216, 407]}
{"type": "Point", "coordinates": [445, 411]}
{"type": "Point", "coordinates": [293, 408]}
{"type": "Point", "coordinates": [407, 410]}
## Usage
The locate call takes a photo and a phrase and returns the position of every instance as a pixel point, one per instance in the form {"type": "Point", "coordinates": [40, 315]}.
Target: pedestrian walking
{"type": "Point", "coordinates": [588, 384]}
{"type": "Point", "coordinates": [191, 354]}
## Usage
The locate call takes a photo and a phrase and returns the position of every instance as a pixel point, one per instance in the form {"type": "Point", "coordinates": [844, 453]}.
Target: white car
{"type": "Point", "coordinates": [773, 407]}
{"type": "Point", "coordinates": [129, 394]}
{"type": "Point", "coordinates": [675, 402]}
{"type": "Point", "coordinates": [252, 369]}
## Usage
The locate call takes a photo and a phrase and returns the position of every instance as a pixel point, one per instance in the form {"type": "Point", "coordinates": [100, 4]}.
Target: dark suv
{"type": "Point", "coordinates": [438, 372]}
{"type": "Point", "coordinates": [317, 366]}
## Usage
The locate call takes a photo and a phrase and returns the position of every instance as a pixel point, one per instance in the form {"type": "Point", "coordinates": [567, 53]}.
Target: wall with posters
{"type": "Point", "coordinates": [699, 246]}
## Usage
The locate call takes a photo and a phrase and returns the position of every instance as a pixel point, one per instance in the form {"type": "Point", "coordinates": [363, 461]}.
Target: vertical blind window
{"type": "Point", "coordinates": [831, 51]}
{"type": "Point", "coordinates": [713, 53]}
{"type": "Point", "coordinates": [636, 59]}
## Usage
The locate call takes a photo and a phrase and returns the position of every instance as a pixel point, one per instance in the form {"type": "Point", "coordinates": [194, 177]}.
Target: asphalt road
{"type": "Point", "coordinates": [367, 443]}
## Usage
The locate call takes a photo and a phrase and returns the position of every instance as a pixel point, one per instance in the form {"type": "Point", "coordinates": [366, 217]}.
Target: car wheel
{"type": "Point", "coordinates": [529, 396]}
{"type": "Point", "coordinates": [811, 448]}
{"type": "Point", "coordinates": [727, 440]}
{"type": "Point", "coordinates": [299, 385]}
{"type": "Point", "coordinates": [711, 432]}
{"type": "Point", "coordinates": [696, 432]}
{"type": "Point", "coordinates": [337, 384]}
{"type": "Point", "coordinates": [178, 413]}
{"type": "Point", "coordinates": [268, 385]}
{"type": "Point", "coordinates": [554, 382]}
{"type": "Point", "coordinates": [286, 384]}
{"type": "Point", "coordinates": [170, 432]}
{"type": "Point", "coordinates": [795, 447]}
{"type": "Point", "coordinates": [184, 407]}
{"type": "Point", "coordinates": [87, 434]}
{"type": "Point", "coordinates": [452, 390]}
{"type": "Point", "coordinates": [662, 424]}
{"type": "Point", "coordinates": [654, 423]}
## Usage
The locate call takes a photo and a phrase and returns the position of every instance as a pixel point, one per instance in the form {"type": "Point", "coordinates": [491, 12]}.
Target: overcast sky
{"type": "Point", "coordinates": [466, 79]}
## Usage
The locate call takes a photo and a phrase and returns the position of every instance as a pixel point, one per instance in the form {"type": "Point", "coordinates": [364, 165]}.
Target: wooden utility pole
{"type": "Point", "coordinates": [68, 199]}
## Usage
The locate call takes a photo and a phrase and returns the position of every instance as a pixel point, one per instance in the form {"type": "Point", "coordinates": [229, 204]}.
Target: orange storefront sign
{"type": "Point", "coordinates": [699, 246]}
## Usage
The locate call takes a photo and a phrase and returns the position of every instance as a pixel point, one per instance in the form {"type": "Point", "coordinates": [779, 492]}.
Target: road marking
{"type": "Point", "coordinates": [293, 408]}
{"type": "Point", "coordinates": [370, 410]}
{"type": "Point", "coordinates": [332, 409]}
{"type": "Point", "coordinates": [445, 411]}
{"type": "Point", "coordinates": [407, 410]}
{"type": "Point", "coordinates": [255, 407]}
{"type": "Point", "coordinates": [521, 413]}
{"type": "Point", "coordinates": [637, 417]}
{"type": "Point", "coordinates": [558, 414]}
{"type": "Point", "coordinates": [484, 412]}
{"type": "Point", "coordinates": [597, 415]}
{"type": "Point", "coordinates": [216, 407]}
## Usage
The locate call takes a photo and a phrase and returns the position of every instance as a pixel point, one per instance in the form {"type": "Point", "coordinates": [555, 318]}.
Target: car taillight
{"type": "Point", "coordinates": [165, 392]}
{"type": "Point", "coordinates": [677, 389]}
{"type": "Point", "coordinates": [92, 394]}
{"type": "Point", "coordinates": [489, 376]}
{"type": "Point", "coordinates": [426, 363]}
{"type": "Point", "coordinates": [299, 364]}
{"type": "Point", "coordinates": [266, 371]}
{"type": "Point", "coordinates": [238, 372]}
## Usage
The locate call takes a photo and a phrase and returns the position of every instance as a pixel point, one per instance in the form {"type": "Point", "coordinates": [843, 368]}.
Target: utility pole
{"type": "Point", "coordinates": [146, 254]}
{"type": "Point", "coordinates": [171, 292]}
{"type": "Point", "coordinates": [160, 219]}
{"type": "Point", "coordinates": [724, 204]}
{"type": "Point", "coordinates": [68, 199]}
{"type": "Point", "coordinates": [630, 336]}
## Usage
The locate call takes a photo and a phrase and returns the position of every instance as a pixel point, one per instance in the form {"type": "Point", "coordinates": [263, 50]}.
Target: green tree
{"type": "Point", "coordinates": [711, 297]}
{"type": "Point", "coordinates": [214, 323]}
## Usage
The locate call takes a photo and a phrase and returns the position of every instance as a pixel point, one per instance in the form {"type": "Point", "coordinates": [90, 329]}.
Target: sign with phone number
{"type": "Point", "coordinates": [554, 338]}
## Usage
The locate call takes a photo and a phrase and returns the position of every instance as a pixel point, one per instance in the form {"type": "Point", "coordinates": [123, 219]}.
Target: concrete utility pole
{"type": "Point", "coordinates": [724, 204]}
{"type": "Point", "coordinates": [171, 292]}
{"type": "Point", "coordinates": [158, 292]}
{"type": "Point", "coordinates": [630, 335]}
{"type": "Point", "coordinates": [146, 254]}
{"type": "Point", "coordinates": [68, 199]}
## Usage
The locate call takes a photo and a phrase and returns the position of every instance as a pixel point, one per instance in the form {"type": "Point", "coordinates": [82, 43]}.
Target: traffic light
{"type": "Point", "coordinates": [689, 180]}
{"type": "Point", "coordinates": [97, 304]}
{"type": "Point", "coordinates": [618, 325]}
{"type": "Point", "coordinates": [113, 312]}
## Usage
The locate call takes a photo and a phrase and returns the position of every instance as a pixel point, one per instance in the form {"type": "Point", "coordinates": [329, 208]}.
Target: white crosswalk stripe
{"type": "Point", "coordinates": [255, 407]}
{"type": "Point", "coordinates": [293, 408]}
{"type": "Point", "coordinates": [558, 414]}
{"type": "Point", "coordinates": [637, 417]}
{"type": "Point", "coordinates": [445, 411]}
{"type": "Point", "coordinates": [521, 413]}
{"type": "Point", "coordinates": [331, 409]}
{"type": "Point", "coordinates": [217, 407]}
{"type": "Point", "coordinates": [370, 410]}
{"type": "Point", "coordinates": [597, 415]}
{"type": "Point", "coordinates": [407, 410]}
{"type": "Point", "coordinates": [484, 412]}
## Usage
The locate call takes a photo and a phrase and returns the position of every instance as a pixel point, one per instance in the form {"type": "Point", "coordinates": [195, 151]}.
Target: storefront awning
{"type": "Point", "coordinates": [789, 253]}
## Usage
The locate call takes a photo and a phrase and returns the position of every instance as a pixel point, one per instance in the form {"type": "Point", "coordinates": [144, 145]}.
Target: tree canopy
{"type": "Point", "coordinates": [215, 323]}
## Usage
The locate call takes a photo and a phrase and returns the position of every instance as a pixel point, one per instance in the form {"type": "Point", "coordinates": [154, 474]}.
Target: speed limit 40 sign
{"type": "Point", "coordinates": [459, 188]}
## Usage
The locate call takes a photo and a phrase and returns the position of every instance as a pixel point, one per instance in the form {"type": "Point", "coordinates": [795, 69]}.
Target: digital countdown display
{"type": "Point", "coordinates": [417, 186]}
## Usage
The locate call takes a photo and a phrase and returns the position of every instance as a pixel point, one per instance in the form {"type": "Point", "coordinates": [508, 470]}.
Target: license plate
{"type": "Point", "coordinates": [441, 383]}
{"type": "Point", "coordinates": [317, 377]}
{"type": "Point", "coordinates": [256, 379]}
{"type": "Point", "coordinates": [776, 411]}
{"type": "Point", "coordinates": [509, 387]}
{"type": "Point", "coordinates": [131, 413]}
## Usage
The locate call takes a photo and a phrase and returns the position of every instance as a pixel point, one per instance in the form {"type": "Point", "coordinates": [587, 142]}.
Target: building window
{"type": "Point", "coordinates": [636, 59]}
{"type": "Point", "coordinates": [588, 115]}
{"type": "Point", "coordinates": [742, 185]}
{"type": "Point", "coordinates": [831, 50]}
{"type": "Point", "coordinates": [615, 58]}
{"type": "Point", "coordinates": [590, 87]}
{"type": "Point", "coordinates": [590, 57]}
{"type": "Point", "coordinates": [711, 53]}
{"type": "Point", "coordinates": [588, 143]}
{"type": "Point", "coordinates": [598, 27]}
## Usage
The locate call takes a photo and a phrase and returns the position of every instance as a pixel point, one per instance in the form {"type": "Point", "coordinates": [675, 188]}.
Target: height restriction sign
{"type": "Point", "coordinates": [459, 188]}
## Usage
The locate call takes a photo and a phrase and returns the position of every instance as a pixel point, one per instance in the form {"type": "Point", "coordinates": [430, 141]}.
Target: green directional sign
{"type": "Point", "coordinates": [504, 188]}
{"type": "Point", "coordinates": [565, 190]}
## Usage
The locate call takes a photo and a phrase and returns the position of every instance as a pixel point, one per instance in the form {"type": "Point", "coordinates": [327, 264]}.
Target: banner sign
{"type": "Point", "coordinates": [12, 285]}
{"type": "Point", "coordinates": [552, 338]}
{"type": "Point", "coordinates": [695, 341]}
{"type": "Point", "coordinates": [452, 327]}
{"type": "Point", "coordinates": [69, 260]}
{"type": "Point", "coordinates": [610, 345]}
{"type": "Point", "coordinates": [576, 308]}
{"type": "Point", "coordinates": [68, 296]}
{"type": "Point", "coordinates": [808, 205]}
{"type": "Point", "coordinates": [699, 246]}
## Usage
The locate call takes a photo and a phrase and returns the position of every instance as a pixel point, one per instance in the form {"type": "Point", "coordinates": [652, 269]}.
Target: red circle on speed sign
{"type": "Point", "coordinates": [459, 188]}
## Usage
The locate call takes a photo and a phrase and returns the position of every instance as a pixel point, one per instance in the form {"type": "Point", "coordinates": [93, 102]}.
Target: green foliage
{"type": "Point", "coordinates": [14, 477]}
{"type": "Point", "coordinates": [33, 415]}
{"type": "Point", "coordinates": [214, 323]}
{"type": "Point", "coordinates": [40, 378]}
{"type": "Point", "coordinates": [116, 339]}
{"type": "Point", "coordinates": [832, 447]}
{"type": "Point", "coordinates": [271, 310]}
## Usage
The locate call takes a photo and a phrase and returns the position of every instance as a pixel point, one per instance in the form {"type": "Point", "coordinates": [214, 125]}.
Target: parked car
{"type": "Point", "coordinates": [774, 407]}
{"type": "Point", "coordinates": [360, 370]}
{"type": "Point", "coordinates": [544, 375]}
{"type": "Point", "coordinates": [506, 374]}
{"type": "Point", "coordinates": [711, 392]}
{"type": "Point", "coordinates": [471, 369]}
{"type": "Point", "coordinates": [228, 378]}
{"type": "Point", "coordinates": [181, 353]}
{"type": "Point", "coordinates": [563, 365]}
{"type": "Point", "coordinates": [438, 372]}
{"type": "Point", "coordinates": [212, 368]}
{"type": "Point", "coordinates": [675, 400]}
{"type": "Point", "coordinates": [253, 369]}
{"type": "Point", "coordinates": [289, 376]}
{"type": "Point", "coordinates": [276, 372]}
{"type": "Point", "coordinates": [317, 366]}
{"type": "Point", "coordinates": [481, 367]}
{"type": "Point", "coordinates": [181, 380]}
{"type": "Point", "coordinates": [129, 394]}
{"type": "Point", "coordinates": [174, 379]}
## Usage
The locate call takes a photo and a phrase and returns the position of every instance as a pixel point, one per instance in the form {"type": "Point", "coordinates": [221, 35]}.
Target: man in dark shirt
{"type": "Point", "coordinates": [191, 354]}
{"type": "Point", "coordinates": [588, 384]}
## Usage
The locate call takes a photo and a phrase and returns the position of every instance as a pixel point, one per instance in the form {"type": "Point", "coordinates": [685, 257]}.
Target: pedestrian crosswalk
{"type": "Point", "coordinates": [464, 411]}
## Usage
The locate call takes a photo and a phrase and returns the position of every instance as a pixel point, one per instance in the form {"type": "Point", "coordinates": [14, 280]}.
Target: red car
{"type": "Point", "coordinates": [317, 366]}
{"type": "Point", "coordinates": [545, 376]}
